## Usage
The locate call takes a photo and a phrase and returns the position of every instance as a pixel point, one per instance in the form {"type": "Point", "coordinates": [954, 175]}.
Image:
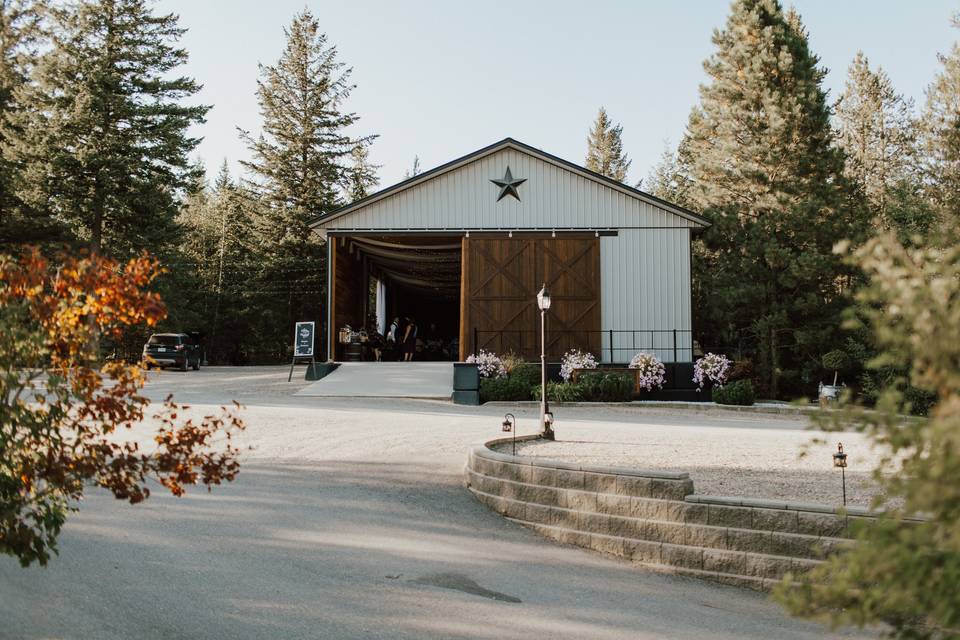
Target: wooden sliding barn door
{"type": "Point", "coordinates": [500, 281]}
{"type": "Point", "coordinates": [571, 269]}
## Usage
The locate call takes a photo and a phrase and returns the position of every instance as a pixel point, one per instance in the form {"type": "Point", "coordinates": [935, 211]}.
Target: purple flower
{"type": "Point", "coordinates": [576, 359]}
{"type": "Point", "coordinates": [651, 372]}
{"type": "Point", "coordinates": [712, 367]}
{"type": "Point", "coordinates": [488, 364]}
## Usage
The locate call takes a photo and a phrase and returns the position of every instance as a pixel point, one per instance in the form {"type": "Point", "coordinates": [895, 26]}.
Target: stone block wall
{"type": "Point", "coordinates": [654, 518]}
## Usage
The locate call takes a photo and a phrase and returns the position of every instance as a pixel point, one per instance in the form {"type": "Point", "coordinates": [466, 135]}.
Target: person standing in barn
{"type": "Point", "coordinates": [409, 340]}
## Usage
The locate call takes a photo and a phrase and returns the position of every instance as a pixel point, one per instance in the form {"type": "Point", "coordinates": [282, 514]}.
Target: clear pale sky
{"type": "Point", "coordinates": [442, 79]}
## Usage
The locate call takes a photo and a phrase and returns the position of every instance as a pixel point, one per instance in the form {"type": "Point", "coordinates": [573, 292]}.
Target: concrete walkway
{"type": "Point", "coordinates": [432, 380]}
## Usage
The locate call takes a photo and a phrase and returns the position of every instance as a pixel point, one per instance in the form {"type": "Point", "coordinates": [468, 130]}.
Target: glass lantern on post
{"type": "Point", "coordinates": [546, 417]}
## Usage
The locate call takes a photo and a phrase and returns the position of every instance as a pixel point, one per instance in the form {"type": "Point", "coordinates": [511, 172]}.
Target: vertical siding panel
{"type": "Point", "coordinates": [439, 212]}
{"type": "Point", "coordinates": [469, 207]}
{"type": "Point", "coordinates": [469, 196]}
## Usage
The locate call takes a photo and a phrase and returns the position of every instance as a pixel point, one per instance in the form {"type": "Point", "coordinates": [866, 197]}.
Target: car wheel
{"type": "Point", "coordinates": [186, 363]}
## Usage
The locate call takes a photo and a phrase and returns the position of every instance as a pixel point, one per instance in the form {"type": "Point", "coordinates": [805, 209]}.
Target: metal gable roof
{"type": "Point", "coordinates": [426, 176]}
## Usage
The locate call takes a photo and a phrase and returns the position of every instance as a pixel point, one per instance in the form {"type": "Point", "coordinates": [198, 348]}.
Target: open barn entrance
{"type": "Point", "coordinates": [378, 279]}
{"type": "Point", "coordinates": [464, 293]}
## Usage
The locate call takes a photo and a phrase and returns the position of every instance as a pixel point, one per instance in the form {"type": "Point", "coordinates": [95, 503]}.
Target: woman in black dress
{"type": "Point", "coordinates": [409, 340]}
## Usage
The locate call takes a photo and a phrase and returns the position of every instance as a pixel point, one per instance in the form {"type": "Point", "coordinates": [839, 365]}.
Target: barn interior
{"type": "Point", "coordinates": [414, 278]}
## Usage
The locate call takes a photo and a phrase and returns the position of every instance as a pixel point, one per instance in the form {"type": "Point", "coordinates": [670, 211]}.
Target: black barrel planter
{"type": "Point", "coordinates": [466, 383]}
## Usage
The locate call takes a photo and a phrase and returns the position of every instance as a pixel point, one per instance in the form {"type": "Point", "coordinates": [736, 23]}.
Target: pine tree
{"type": "Point", "coordinates": [668, 180]}
{"type": "Point", "coordinates": [765, 171]}
{"type": "Point", "coordinates": [940, 135]}
{"type": "Point", "coordinates": [605, 153]}
{"type": "Point", "coordinates": [220, 248]}
{"type": "Point", "coordinates": [300, 167]}
{"type": "Point", "coordinates": [414, 169]}
{"type": "Point", "coordinates": [363, 174]}
{"type": "Point", "coordinates": [21, 33]}
{"type": "Point", "coordinates": [877, 133]}
{"type": "Point", "coordinates": [102, 138]}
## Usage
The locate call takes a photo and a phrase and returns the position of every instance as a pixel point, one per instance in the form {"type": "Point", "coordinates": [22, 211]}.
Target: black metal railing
{"type": "Point", "coordinates": [612, 345]}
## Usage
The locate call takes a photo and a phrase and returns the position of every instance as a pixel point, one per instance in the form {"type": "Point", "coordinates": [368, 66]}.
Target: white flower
{"type": "Point", "coordinates": [576, 359]}
{"type": "Point", "coordinates": [712, 367]}
{"type": "Point", "coordinates": [488, 364]}
{"type": "Point", "coordinates": [652, 373]}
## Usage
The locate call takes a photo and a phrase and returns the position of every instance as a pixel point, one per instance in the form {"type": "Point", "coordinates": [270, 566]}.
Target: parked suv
{"type": "Point", "coordinates": [172, 349]}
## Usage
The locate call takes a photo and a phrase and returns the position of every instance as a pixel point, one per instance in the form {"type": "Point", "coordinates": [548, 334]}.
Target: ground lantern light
{"type": "Point", "coordinates": [510, 424]}
{"type": "Point", "coordinates": [840, 460]}
{"type": "Point", "coordinates": [546, 424]}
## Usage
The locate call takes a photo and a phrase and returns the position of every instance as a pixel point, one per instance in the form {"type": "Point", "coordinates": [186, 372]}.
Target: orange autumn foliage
{"type": "Point", "coordinates": [60, 411]}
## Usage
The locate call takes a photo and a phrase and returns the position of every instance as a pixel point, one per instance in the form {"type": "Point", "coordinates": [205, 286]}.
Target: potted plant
{"type": "Point", "coordinates": [711, 370]}
{"type": "Point", "coordinates": [838, 360]}
{"type": "Point", "coordinates": [650, 371]}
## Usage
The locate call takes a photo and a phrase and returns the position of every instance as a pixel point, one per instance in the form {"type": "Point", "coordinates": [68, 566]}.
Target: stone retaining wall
{"type": "Point", "coordinates": [653, 518]}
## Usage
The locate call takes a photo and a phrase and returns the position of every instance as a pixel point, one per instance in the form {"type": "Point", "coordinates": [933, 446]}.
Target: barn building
{"type": "Point", "coordinates": [465, 247]}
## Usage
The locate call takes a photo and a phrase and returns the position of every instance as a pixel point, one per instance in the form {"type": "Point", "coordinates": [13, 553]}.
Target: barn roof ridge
{"type": "Point", "coordinates": [426, 176]}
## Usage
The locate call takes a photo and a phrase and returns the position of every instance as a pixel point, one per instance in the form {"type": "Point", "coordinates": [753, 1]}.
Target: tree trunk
{"type": "Point", "coordinates": [774, 362]}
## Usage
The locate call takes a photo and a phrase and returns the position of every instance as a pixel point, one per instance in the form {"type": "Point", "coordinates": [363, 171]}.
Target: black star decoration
{"type": "Point", "coordinates": [508, 186]}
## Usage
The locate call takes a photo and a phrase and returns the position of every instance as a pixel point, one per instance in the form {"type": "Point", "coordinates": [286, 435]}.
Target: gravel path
{"type": "Point", "coordinates": [726, 461]}
{"type": "Point", "coordinates": [729, 454]}
{"type": "Point", "coordinates": [349, 519]}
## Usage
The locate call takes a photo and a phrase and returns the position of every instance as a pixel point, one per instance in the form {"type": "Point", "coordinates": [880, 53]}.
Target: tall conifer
{"type": "Point", "coordinates": [765, 171]}
{"type": "Point", "coordinates": [414, 169]}
{"type": "Point", "coordinates": [876, 131]}
{"type": "Point", "coordinates": [300, 166]}
{"type": "Point", "coordinates": [605, 153]}
{"type": "Point", "coordinates": [940, 135]}
{"type": "Point", "coordinates": [102, 136]}
{"type": "Point", "coordinates": [669, 179]}
{"type": "Point", "coordinates": [363, 175]}
{"type": "Point", "coordinates": [21, 34]}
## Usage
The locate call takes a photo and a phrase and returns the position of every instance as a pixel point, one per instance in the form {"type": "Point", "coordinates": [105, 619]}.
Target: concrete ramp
{"type": "Point", "coordinates": [386, 380]}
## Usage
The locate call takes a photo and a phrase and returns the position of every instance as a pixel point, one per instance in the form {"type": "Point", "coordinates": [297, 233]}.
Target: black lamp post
{"type": "Point", "coordinates": [546, 417]}
{"type": "Point", "coordinates": [840, 460]}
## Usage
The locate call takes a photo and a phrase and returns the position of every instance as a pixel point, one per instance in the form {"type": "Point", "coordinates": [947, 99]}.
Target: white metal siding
{"type": "Point", "coordinates": [553, 197]}
{"type": "Point", "coordinates": [645, 284]}
{"type": "Point", "coordinates": [645, 268]}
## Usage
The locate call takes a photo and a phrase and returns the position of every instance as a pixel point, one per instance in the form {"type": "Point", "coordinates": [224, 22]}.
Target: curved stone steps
{"type": "Point", "coordinates": [654, 519]}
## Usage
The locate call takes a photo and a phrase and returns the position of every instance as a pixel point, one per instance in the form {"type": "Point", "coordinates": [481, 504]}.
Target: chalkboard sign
{"type": "Point", "coordinates": [303, 340]}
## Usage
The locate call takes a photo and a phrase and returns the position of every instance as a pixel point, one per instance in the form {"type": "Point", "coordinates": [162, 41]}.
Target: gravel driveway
{"type": "Point", "coordinates": [349, 520]}
{"type": "Point", "coordinates": [733, 460]}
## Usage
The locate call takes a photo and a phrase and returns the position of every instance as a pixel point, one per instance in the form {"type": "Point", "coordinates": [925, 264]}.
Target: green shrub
{"type": "Point", "coordinates": [516, 386]}
{"type": "Point", "coordinates": [526, 373]}
{"type": "Point", "coordinates": [607, 387]}
{"type": "Point", "coordinates": [921, 400]}
{"type": "Point", "coordinates": [503, 389]}
{"type": "Point", "coordinates": [560, 392]}
{"type": "Point", "coordinates": [873, 382]}
{"type": "Point", "coordinates": [739, 392]}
